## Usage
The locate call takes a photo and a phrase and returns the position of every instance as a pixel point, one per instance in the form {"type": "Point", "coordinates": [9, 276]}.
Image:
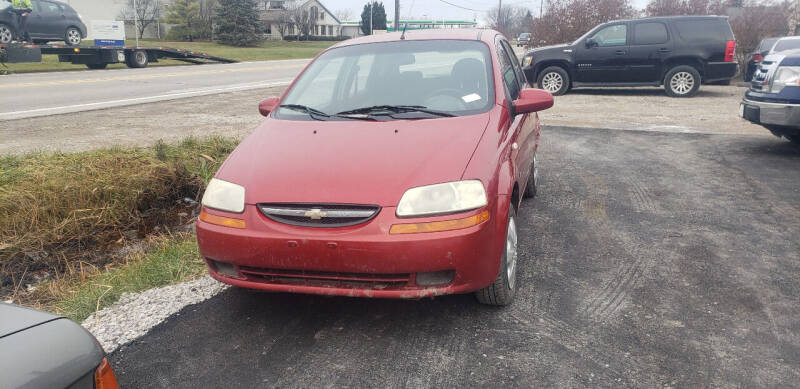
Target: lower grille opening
{"type": "Point", "coordinates": [326, 279]}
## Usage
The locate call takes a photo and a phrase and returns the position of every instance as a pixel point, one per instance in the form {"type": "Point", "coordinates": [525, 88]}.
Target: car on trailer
{"type": "Point", "coordinates": [50, 20]}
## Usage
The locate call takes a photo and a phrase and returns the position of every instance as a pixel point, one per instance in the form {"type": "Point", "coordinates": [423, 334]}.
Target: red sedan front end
{"type": "Point", "coordinates": [351, 188]}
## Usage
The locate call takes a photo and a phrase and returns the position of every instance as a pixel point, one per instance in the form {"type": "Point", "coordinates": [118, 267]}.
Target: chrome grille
{"type": "Point", "coordinates": [320, 215]}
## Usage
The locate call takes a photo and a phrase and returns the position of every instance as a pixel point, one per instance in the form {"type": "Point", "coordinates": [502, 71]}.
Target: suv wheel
{"type": "Point", "coordinates": [6, 34]}
{"type": "Point", "coordinates": [504, 287]}
{"type": "Point", "coordinates": [682, 81]}
{"type": "Point", "coordinates": [554, 79]}
{"type": "Point", "coordinates": [73, 36]}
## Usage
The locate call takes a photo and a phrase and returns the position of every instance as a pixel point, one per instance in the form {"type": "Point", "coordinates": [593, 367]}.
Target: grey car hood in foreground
{"type": "Point", "coordinates": [40, 350]}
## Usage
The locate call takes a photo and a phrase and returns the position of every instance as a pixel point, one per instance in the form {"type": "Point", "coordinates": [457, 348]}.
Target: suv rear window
{"type": "Point", "coordinates": [704, 30]}
{"type": "Point", "coordinates": [649, 33]}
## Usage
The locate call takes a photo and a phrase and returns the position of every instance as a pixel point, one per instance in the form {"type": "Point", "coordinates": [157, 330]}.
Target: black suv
{"type": "Point", "coordinates": [679, 52]}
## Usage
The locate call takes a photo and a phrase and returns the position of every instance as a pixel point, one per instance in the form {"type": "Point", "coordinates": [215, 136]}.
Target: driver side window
{"type": "Point", "coordinates": [616, 35]}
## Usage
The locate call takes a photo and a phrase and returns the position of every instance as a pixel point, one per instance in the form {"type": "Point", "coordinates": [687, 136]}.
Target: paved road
{"type": "Point", "coordinates": [41, 94]}
{"type": "Point", "coordinates": [647, 260]}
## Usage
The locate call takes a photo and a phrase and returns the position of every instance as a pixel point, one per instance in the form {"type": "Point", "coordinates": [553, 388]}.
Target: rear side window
{"type": "Point", "coordinates": [787, 44]}
{"type": "Point", "coordinates": [650, 33]}
{"type": "Point", "coordinates": [704, 30]}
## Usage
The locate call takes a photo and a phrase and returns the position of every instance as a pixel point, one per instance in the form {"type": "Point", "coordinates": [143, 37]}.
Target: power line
{"type": "Point", "coordinates": [462, 7]}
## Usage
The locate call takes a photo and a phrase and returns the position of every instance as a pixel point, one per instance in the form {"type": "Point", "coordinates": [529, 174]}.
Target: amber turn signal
{"type": "Point", "coordinates": [104, 377]}
{"type": "Point", "coordinates": [221, 220]}
{"type": "Point", "coordinates": [445, 225]}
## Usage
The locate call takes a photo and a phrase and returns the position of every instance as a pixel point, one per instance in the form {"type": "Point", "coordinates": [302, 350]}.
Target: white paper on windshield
{"type": "Point", "coordinates": [471, 97]}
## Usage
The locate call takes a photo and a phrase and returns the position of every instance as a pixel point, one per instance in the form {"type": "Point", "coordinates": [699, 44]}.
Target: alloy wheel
{"type": "Point", "coordinates": [511, 253]}
{"type": "Point", "coordinates": [5, 34]}
{"type": "Point", "coordinates": [552, 82]}
{"type": "Point", "coordinates": [73, 36]}
{"type": "Point", "coordinates": [681, 83]}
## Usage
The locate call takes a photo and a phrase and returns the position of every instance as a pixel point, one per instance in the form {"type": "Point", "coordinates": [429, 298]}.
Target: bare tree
{"type": "Point", "coordinates": [566, 20]}
{"type": "Point", "coordinates": [344, 14]}
{"type": "Point", "coordinates": [509, 20]}
{"type": "Point", "coordinates": [749, 27]}
{"type": "Point", "coordinates": [301, 18]}
{"type": "Point", "coordinates": [686, 7]}
{"type": "Point", "coordinates": [144, 12]}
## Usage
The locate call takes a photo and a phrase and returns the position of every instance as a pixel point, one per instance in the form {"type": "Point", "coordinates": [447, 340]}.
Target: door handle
{"type": "Point", "coordinates": [620, 52]}
{"type": "Point", "coordinates": [664, 50]}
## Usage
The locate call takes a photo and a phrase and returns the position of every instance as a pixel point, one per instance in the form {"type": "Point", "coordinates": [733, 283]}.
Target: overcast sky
{"type": "Point", "coordinates": [437, 9]}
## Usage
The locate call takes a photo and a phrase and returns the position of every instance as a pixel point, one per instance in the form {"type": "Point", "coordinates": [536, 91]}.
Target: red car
{"type": "Point", "coordinates": [393, 166]}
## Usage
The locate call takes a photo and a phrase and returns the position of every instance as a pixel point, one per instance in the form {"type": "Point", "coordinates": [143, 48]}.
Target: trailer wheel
{"type": "Point", "coordinates": [137, 59]}
{"type": "Point", "coordinates": [6, 33]}
{"type": "Point", "coordinates": [96, 66]}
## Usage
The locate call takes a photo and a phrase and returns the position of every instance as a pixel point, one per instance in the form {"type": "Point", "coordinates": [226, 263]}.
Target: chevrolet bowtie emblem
{"type": "Point", "coordinates": [315, 214]}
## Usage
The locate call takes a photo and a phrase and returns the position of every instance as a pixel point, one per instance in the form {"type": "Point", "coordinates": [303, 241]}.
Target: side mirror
{"type": "Point", "coordinates": [591, 43]}
{"type": "Point", "coordinates": [268, 105]}
{"type": "Point", "coordinates": [533, 100]}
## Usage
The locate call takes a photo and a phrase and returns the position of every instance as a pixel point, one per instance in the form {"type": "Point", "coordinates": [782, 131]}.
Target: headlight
{"type": "Point", "coordinates": [785, 76]}
{"type": "Point", "coordinates": [224, 196]}
{"type": "Point", "coordinates": [449, 197]}
{"type": "Point", "coordinates": [526, 61]}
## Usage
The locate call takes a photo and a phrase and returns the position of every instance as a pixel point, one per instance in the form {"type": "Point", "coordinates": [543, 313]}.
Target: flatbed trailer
{"type": "Point", "coordinates": [99, 57]}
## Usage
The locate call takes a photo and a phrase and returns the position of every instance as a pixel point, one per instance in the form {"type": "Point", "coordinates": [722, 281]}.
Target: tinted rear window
{"type": "Point", "coordinates": [649, 33]}
{"type": "Point", "coordinates": [704, 30]}
{"type": "Point", "coordinates": [787, 44]}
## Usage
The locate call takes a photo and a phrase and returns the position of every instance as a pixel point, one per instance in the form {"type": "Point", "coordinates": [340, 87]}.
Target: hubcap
{"type": "Point", "coordinates": [552, 82]}
{"type": "Point", "coordinates": [5, 34]}
{"type": "Point", "coordinates": [141, 57]}
{"type": "Point", "coordinates": [511, 253]}
{"type": "Point", "coordinates": [681, 83]}
{"type": "Point", "coordinates": [74, 36]}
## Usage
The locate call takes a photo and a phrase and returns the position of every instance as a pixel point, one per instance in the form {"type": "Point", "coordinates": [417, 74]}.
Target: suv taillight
{"type": "Point", "coordinates": [758, 58]}
{"type": "Point", "coordinates": [730, 51]}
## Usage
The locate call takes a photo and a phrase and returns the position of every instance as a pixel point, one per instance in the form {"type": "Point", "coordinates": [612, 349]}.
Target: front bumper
{"type": "Point", "coordinates": [770, 114]}
{"type": "Point", "coordinates": [359, 261]}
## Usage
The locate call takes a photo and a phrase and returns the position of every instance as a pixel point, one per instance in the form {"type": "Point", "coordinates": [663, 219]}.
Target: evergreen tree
{"type": "Point", "coordinates": [378, 17]}
{"type": "Point", "coordinates": [185, 15]}
{"type": "Point", "coordinates": [237, 23]}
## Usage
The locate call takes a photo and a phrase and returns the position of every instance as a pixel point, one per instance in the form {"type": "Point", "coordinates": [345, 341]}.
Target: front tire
{"type": "Point", "coordinates": [72, 36]}
{"type": "Point", "coordinates": [6, 33]}
{"type": "Point", "coordinates": [682, 81]}
{"type": "Point", "coordinates": [554, 79]}
{"type": "Point", "coordinates": [502, 291]}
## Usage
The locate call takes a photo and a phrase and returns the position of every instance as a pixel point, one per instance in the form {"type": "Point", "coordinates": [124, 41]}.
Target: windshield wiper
{"type": "Point", "coordinates": [393, 109]}
{"type": "Point", "coordinates": [314, 113]}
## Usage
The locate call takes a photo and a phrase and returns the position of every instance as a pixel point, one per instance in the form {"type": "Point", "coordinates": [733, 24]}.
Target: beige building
{"type": "Point", "coordinates": [279, 18]}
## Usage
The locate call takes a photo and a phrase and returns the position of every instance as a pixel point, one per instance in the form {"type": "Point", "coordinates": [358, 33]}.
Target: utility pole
{"type": "Point", "coordinates": [136, 22]}
{"type": "Point", "coordinates": [371, 5]}
{"type": "Point", "coordinates": [500, 16]}
{"type": "Point", "coordinates": [541, 7]}
{"type": "Point", "coordinates": [397, 15]}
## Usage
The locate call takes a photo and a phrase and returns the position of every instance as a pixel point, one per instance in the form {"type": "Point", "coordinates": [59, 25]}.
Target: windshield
{"type": "Point", "coordinates": [786, 44]}
{"type": "Point", "coordinates": [525, 35]}
{"type": "Point", "coordinates": [451, 77]}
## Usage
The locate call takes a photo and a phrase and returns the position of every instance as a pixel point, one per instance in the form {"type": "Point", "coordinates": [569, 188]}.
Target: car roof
{"type": "Point", "coordinates": [663, 18]}
{"type": "Point", "coordinates": [485, 35]}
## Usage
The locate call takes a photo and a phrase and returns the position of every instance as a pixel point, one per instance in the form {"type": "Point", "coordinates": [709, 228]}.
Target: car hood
{"type": "Point", "coordinates": [548, 48]}
{"type": "Point", "coordinates": [14, 318]}
{"type": "Point", "coordinates": [351, 162]}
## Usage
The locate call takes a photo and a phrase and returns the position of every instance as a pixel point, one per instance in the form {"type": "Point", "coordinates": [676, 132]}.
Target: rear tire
{"type": "Point", "coordinates": [96, 66]}
{"type": "Point", "coordinates": [137, 59]}
{"type": "Point", "coordinates": [504, 288]}
{"type": "Point", "coordinates": [72, 37]}
{"type": "Point", "coordinates": [682, 81]}
{"type": "Point", "coordinates": [531, 187]}
{"type": "Point", "coordinates": [6, 33]}
{"type": "Point", "coordinates": [554, 79]}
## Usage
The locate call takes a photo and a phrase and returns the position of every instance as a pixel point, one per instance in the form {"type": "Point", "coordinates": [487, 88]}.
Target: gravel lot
{"type": "Point", "coordinates": [648, 259]}
{"type": "Point", "coordinates": [714, 110]}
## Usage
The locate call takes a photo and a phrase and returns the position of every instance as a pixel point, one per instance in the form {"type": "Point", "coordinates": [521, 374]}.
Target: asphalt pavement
{"type": "Point", "coordinates": [647, 260]}
{"type": "Point", "coordinates": [40, 94]}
